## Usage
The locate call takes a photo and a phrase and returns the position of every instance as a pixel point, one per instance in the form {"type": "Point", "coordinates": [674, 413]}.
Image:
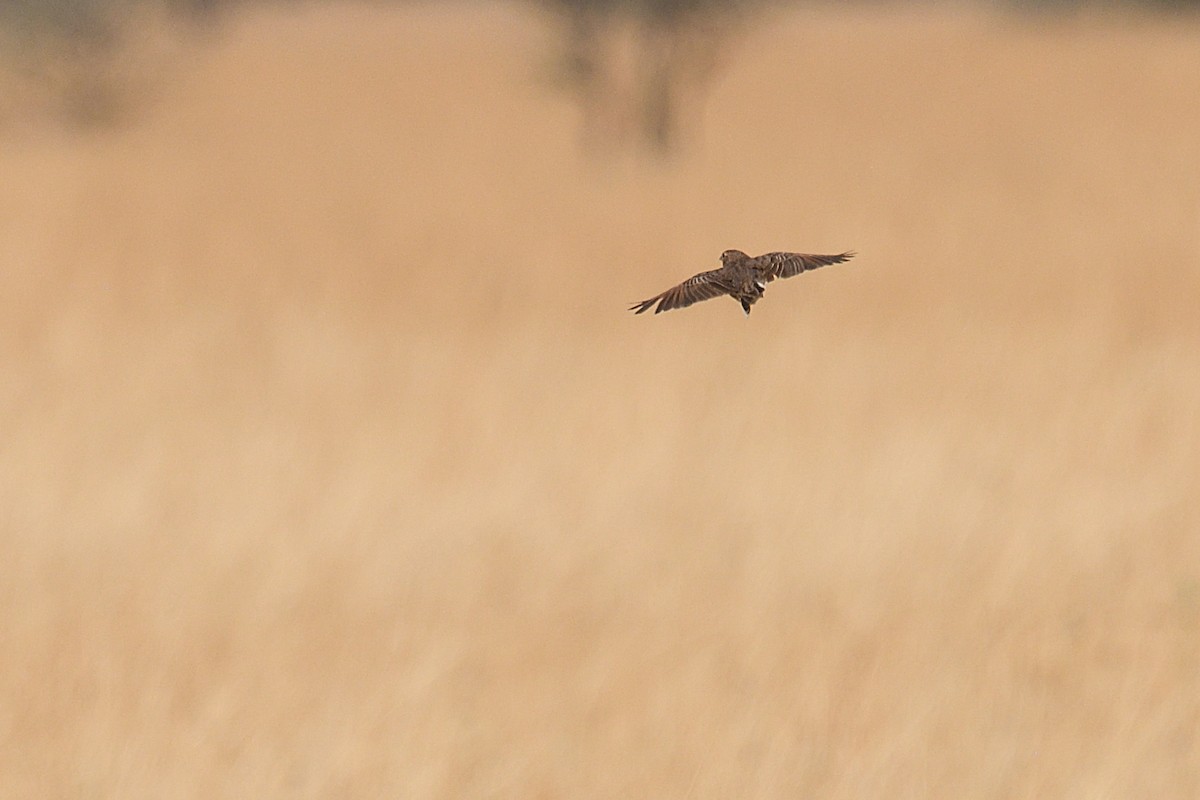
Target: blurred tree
{"type": "Point", "coordinates": [86, 62]}
{"type": "Point", "coordinates": [54, 52]}
{"type": "Point", "coordinates": [637, 67]}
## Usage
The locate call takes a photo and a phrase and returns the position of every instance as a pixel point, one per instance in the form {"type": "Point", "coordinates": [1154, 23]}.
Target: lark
{"type": "Point", "coordinates": [742, 277]}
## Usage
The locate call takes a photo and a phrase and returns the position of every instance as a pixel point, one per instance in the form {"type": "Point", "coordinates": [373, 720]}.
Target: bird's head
{"type": "Point", "coordinates": [732, 255]}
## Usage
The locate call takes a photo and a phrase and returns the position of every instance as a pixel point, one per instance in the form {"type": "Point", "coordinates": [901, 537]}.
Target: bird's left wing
{"type": "Point", "coordinates": [704, 286]}
{"type": "Point", "coordinates": [785, 265]}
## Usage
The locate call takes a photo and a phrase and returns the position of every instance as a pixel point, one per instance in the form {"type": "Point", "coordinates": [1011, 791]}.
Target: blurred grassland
{"type": "Point", "coordinates": [333, 465]}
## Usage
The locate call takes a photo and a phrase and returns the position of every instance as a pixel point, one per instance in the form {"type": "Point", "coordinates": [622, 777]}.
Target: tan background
{"type": "Point", "coordinates": [333, 466]}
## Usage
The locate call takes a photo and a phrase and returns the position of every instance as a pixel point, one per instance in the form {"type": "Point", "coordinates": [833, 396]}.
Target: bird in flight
{"type": "Point", "coordinates": [742, 277]}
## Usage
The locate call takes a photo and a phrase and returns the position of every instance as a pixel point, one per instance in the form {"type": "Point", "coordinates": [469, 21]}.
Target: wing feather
{"type": "Point", "coordinates": [787, 265]}
{"type": "Point", "coordinates": [704, 286]}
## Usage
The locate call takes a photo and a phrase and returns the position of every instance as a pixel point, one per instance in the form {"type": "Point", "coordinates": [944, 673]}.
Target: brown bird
{"type": "Point", "coordinates": [741, 277]}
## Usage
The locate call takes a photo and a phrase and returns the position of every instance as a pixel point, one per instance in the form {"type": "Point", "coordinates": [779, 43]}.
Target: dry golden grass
{"type": "Point", "coordinates": [334, 467]}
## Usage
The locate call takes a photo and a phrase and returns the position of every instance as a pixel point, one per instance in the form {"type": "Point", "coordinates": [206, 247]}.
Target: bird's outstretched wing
{"type": "Point", "coordinates": [785, 265]}
{"type": "Point", "coordinates": [704, 286]}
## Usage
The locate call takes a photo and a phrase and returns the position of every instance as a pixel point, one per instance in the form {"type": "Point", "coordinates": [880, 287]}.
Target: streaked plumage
{"type": "Point", "coordinates": [742, 277]}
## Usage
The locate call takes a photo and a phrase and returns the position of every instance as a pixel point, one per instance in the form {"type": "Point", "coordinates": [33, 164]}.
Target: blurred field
{"type": "Point", "coordinates": [333, 465]}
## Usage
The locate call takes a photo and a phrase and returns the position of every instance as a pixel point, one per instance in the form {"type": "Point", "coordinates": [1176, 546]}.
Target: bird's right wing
{"type": "Point", "coordinates": [704, 286]}
{"type": "Point", "coordinates": [787, 265]}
